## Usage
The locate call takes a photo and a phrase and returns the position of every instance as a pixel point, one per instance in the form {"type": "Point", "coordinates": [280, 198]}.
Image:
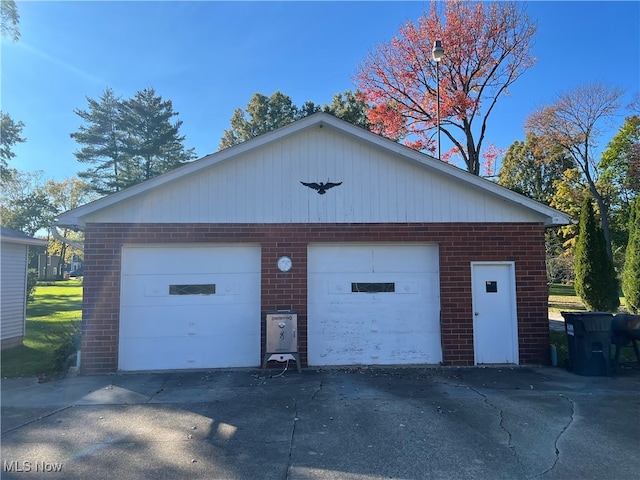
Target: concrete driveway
{"type": "Point", "coordinates": [360, 423]}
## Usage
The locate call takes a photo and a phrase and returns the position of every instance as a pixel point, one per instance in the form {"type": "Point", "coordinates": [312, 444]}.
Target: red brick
{"type": "Point", "coordinates": [459, 245]}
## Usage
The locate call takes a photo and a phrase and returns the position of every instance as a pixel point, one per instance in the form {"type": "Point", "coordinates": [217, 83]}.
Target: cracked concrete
{"type": "Point", "coordinates": [355, 423]}
{"type": "Point", "coordinates": [564, 429]}
{"type": "Point", "coordinates": [293, 436]}
{"type": "Point", "coordinates": [317, 390]}
{"type": "Point", "coordinates": [501, 423]}
{"type": "Point", "coordinates": [532, 424]}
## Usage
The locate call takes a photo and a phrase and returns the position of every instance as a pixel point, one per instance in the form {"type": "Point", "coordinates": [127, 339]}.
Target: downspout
{"type": "Point", "coordinates": [54, 231]}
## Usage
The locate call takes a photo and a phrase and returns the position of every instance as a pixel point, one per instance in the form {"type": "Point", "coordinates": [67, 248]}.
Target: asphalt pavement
{"type": "Point", "coordinates": [350, 423]}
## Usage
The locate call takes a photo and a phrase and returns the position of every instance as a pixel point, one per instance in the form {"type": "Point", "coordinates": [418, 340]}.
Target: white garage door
{"type": "Point", "coordinates": [189, 306]}
{"type": "Point", "coordinates": [374, 304]}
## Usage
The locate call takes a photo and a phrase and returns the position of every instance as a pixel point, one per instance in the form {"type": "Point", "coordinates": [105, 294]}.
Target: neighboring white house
{"type": "Point", "coordinates": [14, 250]}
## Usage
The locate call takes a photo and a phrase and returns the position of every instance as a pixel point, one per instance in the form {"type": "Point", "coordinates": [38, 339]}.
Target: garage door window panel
{"type": "Point", "coordinates": [197, 289]}
{"type": "Point", "coordinates": [376, 287]}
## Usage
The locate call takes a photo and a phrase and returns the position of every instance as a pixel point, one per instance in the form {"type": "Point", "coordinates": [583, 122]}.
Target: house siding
{"type": "Point", "coordinates": [459, 245]}
{"type": "Point", "coordinates": [262, 185]}
{"type": "Point", "coordinates": [13, 276]}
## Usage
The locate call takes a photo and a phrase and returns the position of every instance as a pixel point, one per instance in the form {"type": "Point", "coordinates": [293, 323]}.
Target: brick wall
{"type": "Point", "coordinates": [459, 245]}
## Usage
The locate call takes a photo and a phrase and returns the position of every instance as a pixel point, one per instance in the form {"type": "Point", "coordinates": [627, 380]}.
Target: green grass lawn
{"type": "Point", "coordinates": [55, 313]}
{"type": "Point", "coordinates": [564, 298]}
{"type": "Point", "coordinates": [52, 317]}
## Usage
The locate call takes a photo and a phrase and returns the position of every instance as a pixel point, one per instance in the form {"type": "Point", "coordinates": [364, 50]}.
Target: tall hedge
{"type": "Point", "coordinates": [596, 282]}
{"type": "Point", "coordinates": [631, 269]}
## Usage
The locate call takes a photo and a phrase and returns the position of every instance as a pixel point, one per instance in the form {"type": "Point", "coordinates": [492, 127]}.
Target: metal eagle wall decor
{"type": "Point", "coordinates": [321, 187]}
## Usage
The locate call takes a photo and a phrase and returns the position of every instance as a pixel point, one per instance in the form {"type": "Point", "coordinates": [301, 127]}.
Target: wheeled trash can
{"type": "Point", "coordinates": [589, 339]}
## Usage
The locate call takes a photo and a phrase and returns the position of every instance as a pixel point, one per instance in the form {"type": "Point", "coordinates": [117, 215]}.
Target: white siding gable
{"type": "Point", "coordinates": [259, 182]}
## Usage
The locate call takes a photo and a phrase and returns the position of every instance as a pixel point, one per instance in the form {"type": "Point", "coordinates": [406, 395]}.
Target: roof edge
{"type": "Point", "coordinates": [11, 236]}
{"type": "Point", "coordinates": [74, 218]}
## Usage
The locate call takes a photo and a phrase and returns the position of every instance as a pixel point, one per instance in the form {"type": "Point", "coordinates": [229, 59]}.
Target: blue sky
{"type": "Point", "coordinates": [210, 57]}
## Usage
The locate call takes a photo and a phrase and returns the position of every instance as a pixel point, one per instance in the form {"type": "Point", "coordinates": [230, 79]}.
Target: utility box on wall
{"type": "Point", "coordinates": [282, 332]}
{"type": "Point", "coordinates": [281, 337]}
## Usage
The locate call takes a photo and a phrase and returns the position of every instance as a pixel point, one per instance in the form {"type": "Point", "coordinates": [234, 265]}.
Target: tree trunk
{"type": "Point", "coordinates": [63, 251]}
{"type": "Point", "coordinates": [473, 158]}
{"type": "Point", "coordinates": [604, 214]}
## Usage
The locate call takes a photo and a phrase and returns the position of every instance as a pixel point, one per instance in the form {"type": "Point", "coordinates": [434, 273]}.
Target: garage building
{"type": "Point", "coordinates": [389, 256]}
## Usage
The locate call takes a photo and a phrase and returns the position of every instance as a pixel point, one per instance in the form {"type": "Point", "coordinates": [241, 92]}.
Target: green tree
{"type": "Point", "coordinates": [618, 163]}
{"type": "Point", "coordinates": [262, 114]}
{"type": "Point", "coordinates": [568, 197]}
{"type": "Point", "coordinates": [152, 141]}
{"type": "Point", "coordinates": [30, 203]}
{"type": "Point", "coordinates": [102, 140]}
{"type": "Point", "coordinates": [532, 168]}
{"type": "Point", "coordinates": [620, 181]}
{"type": "Point", "coordinates": [9, 20]}
{"type": "Point", "coordinates": [596, 282]}
{"type": "Point", "coordinates": [350, 107]}
{"type": "Point", "coordinates": [10, 135]}
{"type": "Point", "coordinates": [64, 196]}
{"type": "Point", "coordinates": [25, 205]}
{"type": "Point", "coordinates": [572, 121]}
{"type": "Point", "coordinates": [130, 141]}
{"type": "Point", "coordinates": [631, 269]}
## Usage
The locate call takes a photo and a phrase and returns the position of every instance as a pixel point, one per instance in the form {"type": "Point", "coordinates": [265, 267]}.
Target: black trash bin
{"type": "Point", "coordinates": [625, 329]}
{"type": "Point", "coordinates": [589, 339]}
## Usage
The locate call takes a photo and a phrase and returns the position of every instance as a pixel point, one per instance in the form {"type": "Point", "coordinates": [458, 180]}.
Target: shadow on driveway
{"type": "Point", "coordinates": [349, 423]}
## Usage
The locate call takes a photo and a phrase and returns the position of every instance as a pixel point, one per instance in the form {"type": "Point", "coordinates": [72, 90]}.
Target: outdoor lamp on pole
{"type": "Point", "coordinates": [438, 53]}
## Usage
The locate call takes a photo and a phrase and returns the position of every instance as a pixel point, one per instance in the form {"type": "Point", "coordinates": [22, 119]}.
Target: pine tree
{"type": "Point", "coordinates": [263, 114]}
{"type": "Point", "coordinates": [102, 138]}
{"type": "Point", "coordinates": [153, 143]}
{"type": "Point", "coordinates": [631, 270]}
{"type": "Point", "coordinates": [128, 142]}
{"type": "Point", "coordinates": [596, 282]}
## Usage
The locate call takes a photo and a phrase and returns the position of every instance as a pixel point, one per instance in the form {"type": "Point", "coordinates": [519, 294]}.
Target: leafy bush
{"type": "Point", "coordinates": [69, 344]}
{"type": "Point", "coordinates": [631, 270]}
{"type": "Point", "coordinates": [32, 280]}
{"type": "Point", "coordinates": [596, 282]}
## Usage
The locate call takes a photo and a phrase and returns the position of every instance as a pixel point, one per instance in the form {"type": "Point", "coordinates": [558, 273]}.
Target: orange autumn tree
{"type": "Point", "coordinates": [487, 48]}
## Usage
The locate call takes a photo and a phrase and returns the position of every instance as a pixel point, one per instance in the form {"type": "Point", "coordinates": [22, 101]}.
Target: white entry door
{"type": "Point", "coordinates": [495, 320]}
{"type": "Point", "coordinates": [373, 304]}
